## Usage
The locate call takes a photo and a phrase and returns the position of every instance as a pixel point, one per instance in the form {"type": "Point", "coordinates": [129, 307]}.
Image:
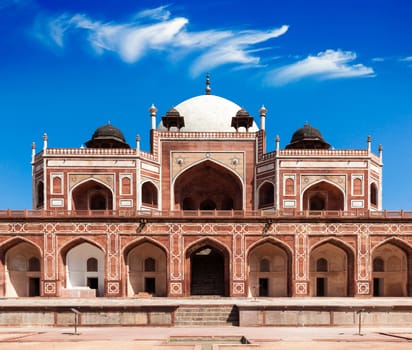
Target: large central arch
{"type": "Point", "coordinates": [208, 186]}
{"type": "Point", "coordinates": [208, 265]}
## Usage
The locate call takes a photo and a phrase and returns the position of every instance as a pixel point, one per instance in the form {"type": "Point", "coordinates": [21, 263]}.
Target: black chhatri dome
{"type": "Point", "coordinates": [307, 137]}
{"type": "Point", "coordinates": [107, 136]}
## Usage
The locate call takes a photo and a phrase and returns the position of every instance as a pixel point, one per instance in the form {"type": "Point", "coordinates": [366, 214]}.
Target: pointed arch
{"type": "Point", "coordinates": [335, 241]}
{"type": "Point", "coordinates": [393, 281]}
{"type": "Point", "coordinates": [289, 186]}
{"type": "Point", "coordinates": [378, 264]}
{"type": "Point", "coordinates": [338, 280]}
{"type": "Point", "coordinates": [57, 185]}
{"type": "Point", "coordinates": [208, 180]}
{"type": "Point", "coordinates": [40, 195]}
{"type": "Point", "coordinates": [323, 195]}
{"type": "Point", "coordinates": [138, 241]}
{"type": "Point", "coordinates": [206, 241]}
{"type": "Point", "coordinates": [373, 195]}
{"type": "Point", "coordinates": [357, 184]}
{"type": "Point", "coordinates": [76, 241]}
{"type": "Point", "coordinates": [207, 263]}
{"type": "Point", "coordinates": [75, 258]}
{"type": "Point", "coordinates": [322, 265]}
{"type": "Point", "coordinates": [126, 185]}
{"type": "Point", "coordinates": [9, 243]}
{"type": "Point", "coordinates": [272, 240]}
{"type": "Point", "coordinates": [199, 162]}
{"type": "Point", "coordinates": [266, 193]}
{"type": "Point", "coordinates": [264, 265]}
{"type": "Point", "coordinates": [91, 194]}
{"type": "Point", "coordinates": [150, 265]}
{"type": "Point", "coordinates": [399, 242]}
{"type": "Point", "coordinates": [150, 194]}
{"type": "Point", "coordinates": [138, 255]}
{"type": "Point", "coordinates": [277, 280]}
{"type": "Point", "coordinates": [21, 260]}
{"type": "Point", "coordinates": [92, 265]}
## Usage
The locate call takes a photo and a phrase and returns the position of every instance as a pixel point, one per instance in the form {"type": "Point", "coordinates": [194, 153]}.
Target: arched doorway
{"type": "Point", "coordinates": [146, 267]}
{"type": "Point", "coordinates": [85, 268]}
{"type": "Point", "coordinates": [269, 271]}
{"type": "Point", "coordinates": [208, 186]}
{"type": "Point", "coordinates": [390, 271]}
{"type": "Point", "coordinates": [331, 270]}
{"type": "Point", "coordinates": [92, 195]}
{"type": "Point", "coordinates": [209, 270]}
{"type": "Point", "coordinates": [149, 195]}
{"type": "Point", "coordinates": [266, 195]}
{"type": "Point", "coordinates": [323, 196]}
{"type": "Point", "coordinates": [374, 195]}
{"type": "Point", "coordinates": [40, 195]}
{"type": "Point", "coordinates": [23, 271]}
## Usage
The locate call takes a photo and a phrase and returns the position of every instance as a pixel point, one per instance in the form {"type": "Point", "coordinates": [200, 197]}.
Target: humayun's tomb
{"type": "Point", "coordinates": [207, 211]}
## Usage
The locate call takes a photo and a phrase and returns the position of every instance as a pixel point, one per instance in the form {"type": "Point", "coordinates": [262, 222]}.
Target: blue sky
{"type": "Point", "coordinates": [69, 66]}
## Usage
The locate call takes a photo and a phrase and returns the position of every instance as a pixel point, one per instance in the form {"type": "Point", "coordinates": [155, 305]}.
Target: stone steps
{"type": "Point", "coordinates": [207, 316]}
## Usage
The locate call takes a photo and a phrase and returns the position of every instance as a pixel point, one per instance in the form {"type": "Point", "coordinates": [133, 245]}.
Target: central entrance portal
{"type": "Point", "coordinates": [207, 267]}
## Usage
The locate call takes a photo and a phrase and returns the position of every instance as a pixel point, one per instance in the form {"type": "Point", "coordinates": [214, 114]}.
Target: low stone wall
{"type": "Point", "coordinates": [165, 315]}
{"type": "Point", "coordinates": [88, 316]}
{"type": "Point", "coordinates": [325, 316]}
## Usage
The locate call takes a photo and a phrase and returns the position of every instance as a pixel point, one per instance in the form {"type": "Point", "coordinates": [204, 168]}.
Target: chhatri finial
{"type": "Point", "coordinates": [263, 110]}
{"type": "Point", "coordinates": [152, 109]}
{"type": "Point", "coordinates": [208, 89]}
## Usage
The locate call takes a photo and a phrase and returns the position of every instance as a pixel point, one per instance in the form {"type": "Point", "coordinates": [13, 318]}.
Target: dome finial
{"type": "Point", "coordinates": [208, 89]}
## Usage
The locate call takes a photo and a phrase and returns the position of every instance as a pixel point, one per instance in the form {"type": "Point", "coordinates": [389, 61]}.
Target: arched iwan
{"type": "Point", "coordinates": [212, 186]}
{"type": "Point", "coordinates": [207, 266]}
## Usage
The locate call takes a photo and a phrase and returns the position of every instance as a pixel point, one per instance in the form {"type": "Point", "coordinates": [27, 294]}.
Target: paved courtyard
{"type": "Point", "coordinates": [154, 338]}
{"type": "Point", "coordinates": [147, 338]}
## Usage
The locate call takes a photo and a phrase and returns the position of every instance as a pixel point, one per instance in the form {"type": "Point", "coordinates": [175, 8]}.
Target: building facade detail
{"type": "Point", "coordinates": [208, 211]}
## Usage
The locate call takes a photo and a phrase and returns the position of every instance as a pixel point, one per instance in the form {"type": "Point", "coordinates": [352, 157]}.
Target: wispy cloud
{"type": "Point", "coordinates": [158, 13]}
{"type": "Point", "coordinates": [235, 48]}
{"type": "Point", "coordinates": [407, 59]}
{"type": "Point", "coordinates": [329, 64]}
{"type": "Point", "coordinates": [157, 30]}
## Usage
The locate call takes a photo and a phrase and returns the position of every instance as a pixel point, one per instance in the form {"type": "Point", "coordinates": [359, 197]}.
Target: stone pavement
{"type": "Point", "coordinates": [154, 338]}
{"type": "Point", "coordinates": [157, 338]}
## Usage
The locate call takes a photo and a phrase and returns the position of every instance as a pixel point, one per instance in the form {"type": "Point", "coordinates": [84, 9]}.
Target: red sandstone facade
{"type": "Point", "coordinates": [206, 212]}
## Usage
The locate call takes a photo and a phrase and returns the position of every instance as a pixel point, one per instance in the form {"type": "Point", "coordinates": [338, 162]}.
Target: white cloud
{"type": "Point", "coordinates": [133, 42]}
{"type": "Point", "coordinates": [57, 29]}
{"type": "Point", "coordinates": [156, 30]}
{"type": "Point", "coordinates": [159, 13]}
{"type": "Point", "coordinates": [235, 48]}
{"type": "Point", "coordinates": [407, 59]}
{"type": "Point", "coordinates": [329, 64]}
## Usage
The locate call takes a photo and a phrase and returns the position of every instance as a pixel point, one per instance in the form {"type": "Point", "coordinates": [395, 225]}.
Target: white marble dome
{"type": "Point", "coordinates": [208, 113]}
